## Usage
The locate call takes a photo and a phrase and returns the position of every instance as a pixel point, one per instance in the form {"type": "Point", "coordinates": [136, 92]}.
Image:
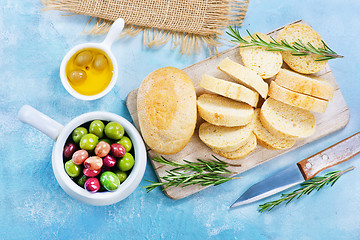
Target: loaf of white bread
{"type": "Point", "coordinates": [166, 105]}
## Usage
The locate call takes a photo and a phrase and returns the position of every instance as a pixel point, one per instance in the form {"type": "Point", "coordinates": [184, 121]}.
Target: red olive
{"type": "Point", "coordinates": [117, 150]}
{"type": "Point", "coordinates": [92, 185]}
{"type": "Point", "coordinates": [109, 161]}
{"type": "Point", "coordinates": [102, 149]}
{"type": "Point", "coordinates": [69, 150]}
{"type": "Point", "coordinates": [93, 163]}
{"type": "Point", "coordinates": [79, 156]}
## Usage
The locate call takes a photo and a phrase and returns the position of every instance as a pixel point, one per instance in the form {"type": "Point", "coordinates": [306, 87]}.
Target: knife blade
{"type": "Point", "coordinates": [301, 171]}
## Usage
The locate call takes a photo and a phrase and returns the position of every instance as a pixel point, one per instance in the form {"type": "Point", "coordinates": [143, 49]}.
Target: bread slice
{"type": "Point", "coordinates": [297, 99]}
{"type": "Point", "coordinates": [244, 75]}
{"type": "Point", "coordinates": [241, 152]}
{"type": "Point", "coordinates": [165, 98]}
{"type": "Point", "coordinates": [301, 64]}
{"type": "Point", "coordinates": [285, 121]}
{"type": "Point", "coordinates": [223, 111]}
{"type": "Point", "coordinates": [266, 63]}
{"type": "Point", "coordinates": [265, 138]}
{"type": "Point", "coordinates": [312, 86]}
{"type": "Point", "coordinates": [229, 89]}
{"type": "Point", "coordinates": [225, 139]}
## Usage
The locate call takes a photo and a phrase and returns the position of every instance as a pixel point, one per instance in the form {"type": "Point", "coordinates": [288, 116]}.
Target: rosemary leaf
{"type": "Point", "coordinates": [201, 172]}
{"type": "Point", "coordinates": [298, 48]}
{"type": "Point", "coordinates": [306, 187]}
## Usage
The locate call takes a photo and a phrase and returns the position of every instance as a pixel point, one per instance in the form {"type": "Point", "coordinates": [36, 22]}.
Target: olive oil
{"type": "Point", "coordinates": [89, 71]}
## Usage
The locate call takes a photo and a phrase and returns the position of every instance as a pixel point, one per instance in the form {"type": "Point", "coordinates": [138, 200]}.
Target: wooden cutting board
{"type": "Point", "coordinates": [336, 117]}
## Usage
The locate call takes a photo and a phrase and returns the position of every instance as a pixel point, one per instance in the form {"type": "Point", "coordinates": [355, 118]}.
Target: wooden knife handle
{"type": "Point", "coordinates": [335, 154]}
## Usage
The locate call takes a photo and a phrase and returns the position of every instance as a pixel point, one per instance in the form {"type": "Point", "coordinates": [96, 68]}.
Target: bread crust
{"type": "Point", "coordinates": [286, 121]}
{"type": "Point", "coordinates": [302, 64]}
{"type": "Point", "coordinates": [266, 63]}
{"type": "Point", "coordinates": [225, 139]}
{"type": "Point", "coordinates": [229, 89]}
{"type": "Point", "coordinates": [244, 76]}
{"type": "Point", "coordinates": [241, 152]}
{"type": "Point", "coordinates": [223, 111]}
{"type": "Point", "coordinates": [266, 139]}
{"type": "Point", "coordinates": [297, 99]}
{"type": "Point", "coordinates": [312, 86]}
{"type": "Point", "coordinates": [165, 98]}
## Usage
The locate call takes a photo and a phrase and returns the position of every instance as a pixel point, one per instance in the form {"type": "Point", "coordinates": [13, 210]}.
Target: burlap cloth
{"type": "Point", "coordinates": [188, 23]}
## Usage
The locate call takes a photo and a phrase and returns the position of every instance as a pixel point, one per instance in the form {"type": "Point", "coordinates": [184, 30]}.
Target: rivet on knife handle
{"type": "Point", "coordinates": [335, 154]}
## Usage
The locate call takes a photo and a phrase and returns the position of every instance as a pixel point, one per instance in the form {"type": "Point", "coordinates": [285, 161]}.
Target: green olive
{"type": "Point", "coordinates": [110, 181]}
{"type": "Point", "coordinates": [81, 181]}
{"type": "Point", "coordinates": [126, 162]}
{"type": "Point", "coordinates": [100, 62]}
{"type": "Point", "coordinates": [78, 133]}
{"type": "Point", "coordinates": [84, 58]}
{"type": "Point", "coordinates": [126, 142]}
{"type": "Point", "coordinates": [97, 128]}
{"type": "Point", "coordinates": [114, 130]}
{"type": "Point", "coordinates": [77, 76]}
{"type": "Point", "coordinates": [71, 169]}
{"type": "Point", "coordinates": [121, 175]}
{"type": "Point", "coordinates": [89, 141]}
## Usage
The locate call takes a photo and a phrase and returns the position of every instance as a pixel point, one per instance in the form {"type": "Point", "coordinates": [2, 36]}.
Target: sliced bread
{"type": "Point", "coordinates": [229, 89]}
{"type": "Point", "coordinates": [285, 121]}
{"type": "Point", "coordinates": [265, 138]}
{"type": "Point", "coordinates": [266, 63]}
{"type": "Point", "coordinates": [241, 152]}
{"type": "Point", "coordinates": [226, 139]}
{"type": "Point", "coordinates": [302, 64]}
{"type": "Point", "coordinates": [296, 82]}
{"type": "Point", "coordinates": [244, 75]}
{"type": "Point", "coordinates": [223, 111]}
{"type": "Point", "coordinates": [297, 99]}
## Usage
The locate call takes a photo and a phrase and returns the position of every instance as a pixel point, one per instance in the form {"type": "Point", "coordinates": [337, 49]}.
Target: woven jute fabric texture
{"type": "Point", "coordinates": [189, 23]}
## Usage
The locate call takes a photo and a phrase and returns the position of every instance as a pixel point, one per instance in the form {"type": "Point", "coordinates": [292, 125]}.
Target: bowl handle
{"type": "Point", "coordinates": [40, 121]}
{"type": "Point", "coordinates": [114, 32]}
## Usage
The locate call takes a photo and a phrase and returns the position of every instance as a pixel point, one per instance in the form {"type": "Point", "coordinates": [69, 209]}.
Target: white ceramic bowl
{"type": "Point", "coordinates": [105, 46]}
{"type": "Point", "coordinates": [60, 134]}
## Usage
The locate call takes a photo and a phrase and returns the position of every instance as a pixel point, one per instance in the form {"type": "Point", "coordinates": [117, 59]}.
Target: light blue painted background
{"type": "Point", "coordinates": [33, 206]}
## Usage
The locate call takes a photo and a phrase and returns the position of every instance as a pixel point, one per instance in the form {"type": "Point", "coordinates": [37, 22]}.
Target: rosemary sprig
{"type": "Point", "coordinates": [307, 187]}
{"type": "Point", "coordinates": [298, 48]}
{"type": "Point", "coordinates": [202, 172]}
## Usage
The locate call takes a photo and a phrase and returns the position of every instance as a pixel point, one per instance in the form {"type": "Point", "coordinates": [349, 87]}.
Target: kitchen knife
{"type": "Point", "coordinates": [302, 171]}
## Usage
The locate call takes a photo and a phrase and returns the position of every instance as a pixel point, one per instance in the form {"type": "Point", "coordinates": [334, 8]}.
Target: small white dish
{"type": "Point", "coordinates": [60, 134]}
{"type": "Point", "coordinates": [104, 46]}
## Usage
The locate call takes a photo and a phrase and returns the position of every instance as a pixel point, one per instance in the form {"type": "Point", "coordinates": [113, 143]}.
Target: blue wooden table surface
{"type": "Point", "coordinates": [32, 204]}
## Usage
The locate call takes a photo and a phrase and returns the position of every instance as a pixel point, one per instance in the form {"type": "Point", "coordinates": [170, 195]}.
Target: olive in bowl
{"type": "Point", "coordinates": [94, 160]}
{"type": "Point", "coordinates": [61, 134]}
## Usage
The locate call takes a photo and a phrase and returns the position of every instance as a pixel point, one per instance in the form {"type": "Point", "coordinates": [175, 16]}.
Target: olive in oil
{"type": "Point", "coordinates": [89, 71]}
